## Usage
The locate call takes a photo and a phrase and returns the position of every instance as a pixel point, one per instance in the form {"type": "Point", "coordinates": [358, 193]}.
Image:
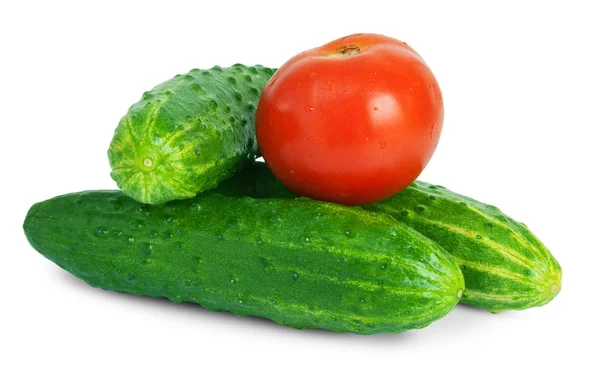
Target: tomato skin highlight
{"type": "Point", "coordinates": [353, 122]}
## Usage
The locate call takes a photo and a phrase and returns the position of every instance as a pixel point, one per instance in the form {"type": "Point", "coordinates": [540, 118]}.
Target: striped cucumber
{"type": "Point", "coordinates": [298, 262]}
{"type": "Point", "coordinates": [188, 134]}
{"type": "Point", "coordinates": [504, 264]}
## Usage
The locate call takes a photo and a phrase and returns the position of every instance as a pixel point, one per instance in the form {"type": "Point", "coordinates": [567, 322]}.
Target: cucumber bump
{"type": "Point", "coordinates": [188, 134]}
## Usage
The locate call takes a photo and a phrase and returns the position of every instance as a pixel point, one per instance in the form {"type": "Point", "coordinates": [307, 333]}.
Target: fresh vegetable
{"type": "Point", "coordinates": [188, 133]}
{"type": "Point", "coordinates": [301, 263]}
{"type": "Point", "coordinates": [353, 121]}
{"type": "Point", "coordinates": [504, 264]}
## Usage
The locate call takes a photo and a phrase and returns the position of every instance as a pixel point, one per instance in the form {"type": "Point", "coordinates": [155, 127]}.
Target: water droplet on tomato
{"type": "Point", "coordinates": [308, 108]}
{"type": "Point", "coordinates": [382, 145]}
{"type": "Point", "coordinates": [375, 108]}
{"type": "Point", "coordinates": [312, 138]}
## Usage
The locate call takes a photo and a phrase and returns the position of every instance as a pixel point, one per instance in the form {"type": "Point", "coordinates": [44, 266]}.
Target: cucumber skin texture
{"type": "Point", "coordinates": [188, 134]}
{"type": "Point", "coordinates": [298, 262]}
{"type": "Point", "coordinates": [505, 266]}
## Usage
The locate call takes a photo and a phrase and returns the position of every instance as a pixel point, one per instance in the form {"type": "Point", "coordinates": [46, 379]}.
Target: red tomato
{"type": "Point", "coordinates": [353, 121]}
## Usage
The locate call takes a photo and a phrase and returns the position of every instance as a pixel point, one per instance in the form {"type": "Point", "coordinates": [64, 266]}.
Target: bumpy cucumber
{"type": "Point", "coordinates": [504, 264]}
{"type": "Point", "coordinates": [298, 262]}
{"type": "Point", "coordinates": [188, 134]}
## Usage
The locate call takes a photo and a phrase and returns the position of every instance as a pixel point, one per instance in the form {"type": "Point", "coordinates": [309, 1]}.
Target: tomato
{"type": "Point", "coordinates": [353, 121]}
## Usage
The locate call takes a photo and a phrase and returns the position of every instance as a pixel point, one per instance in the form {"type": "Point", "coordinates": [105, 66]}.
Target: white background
{"type": "Point", "coordinates": [521, 89]}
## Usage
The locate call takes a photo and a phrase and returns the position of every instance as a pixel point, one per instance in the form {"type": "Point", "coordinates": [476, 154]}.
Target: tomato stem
{"type": "Point", "coordinates": [345, 51]}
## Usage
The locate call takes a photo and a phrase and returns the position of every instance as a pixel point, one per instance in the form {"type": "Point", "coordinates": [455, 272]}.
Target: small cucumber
{"type": "Point", "coordinates": [188, 134]}
{"type": "Point", "coordinates": [504, 264]}
{"type": "Point", "coordinates": [298, 262]}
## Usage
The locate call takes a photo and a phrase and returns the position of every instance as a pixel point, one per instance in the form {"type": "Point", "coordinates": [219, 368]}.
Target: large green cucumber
{"type": "Point", "coordinates": [188, 134]}
{"type": "Point", "coordinates": [298, 262]}
{"type": "Point", "coordinates": [504, 264]}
